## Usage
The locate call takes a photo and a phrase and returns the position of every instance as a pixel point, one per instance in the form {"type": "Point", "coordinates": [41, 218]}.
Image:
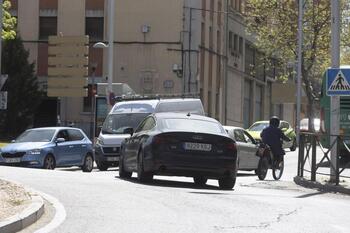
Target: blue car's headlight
{"type": "Point", "coordinates": [34, 152]}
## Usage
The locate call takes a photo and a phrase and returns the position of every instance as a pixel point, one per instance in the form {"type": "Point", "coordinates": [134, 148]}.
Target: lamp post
{"type": "Point", "coordinates": [92, 126]}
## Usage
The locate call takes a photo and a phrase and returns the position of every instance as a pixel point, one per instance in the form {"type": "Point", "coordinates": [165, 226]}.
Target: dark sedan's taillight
{"type": "Point", "coordinates": [231, 146]}
{"type": "Point", "coordinates": [157, 140]}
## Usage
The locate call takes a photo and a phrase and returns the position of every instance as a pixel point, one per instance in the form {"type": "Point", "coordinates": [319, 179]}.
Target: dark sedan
{"type": "Point", "coordinates": [182, 145]}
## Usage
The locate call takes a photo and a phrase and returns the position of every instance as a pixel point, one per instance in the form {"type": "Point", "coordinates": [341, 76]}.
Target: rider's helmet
{"type": "Point", "coordinates": [274, 121]}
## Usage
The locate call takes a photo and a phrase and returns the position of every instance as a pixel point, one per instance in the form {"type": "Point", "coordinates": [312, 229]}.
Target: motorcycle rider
{"type": "Point", "coordinates": [273, 136]}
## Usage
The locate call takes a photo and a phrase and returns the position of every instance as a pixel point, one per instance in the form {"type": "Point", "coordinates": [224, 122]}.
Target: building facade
{"type": "Point", "coordinates": [160, 46]}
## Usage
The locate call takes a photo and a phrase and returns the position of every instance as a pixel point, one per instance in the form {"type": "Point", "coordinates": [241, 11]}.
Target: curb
{"type": "Point", "coordinates": [25, 218]}
{"type": "Point", "coordinates": [322, 187]}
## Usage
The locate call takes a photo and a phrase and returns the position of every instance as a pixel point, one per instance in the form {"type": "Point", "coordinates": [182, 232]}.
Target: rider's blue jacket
{"type": "Point", "coordinates": [273, 137]}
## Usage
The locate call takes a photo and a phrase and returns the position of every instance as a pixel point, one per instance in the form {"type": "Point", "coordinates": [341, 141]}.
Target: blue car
{"type": "Point", "coordinates": [49, 148]}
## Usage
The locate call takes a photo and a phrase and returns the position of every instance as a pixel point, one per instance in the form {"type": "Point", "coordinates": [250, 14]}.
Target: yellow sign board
{"type": "Point", "coordinates": [68, 50]}
{"type": "Point", "coordinates": [67, 92]}
{"type": "Point", "coordinates": [67, 82]}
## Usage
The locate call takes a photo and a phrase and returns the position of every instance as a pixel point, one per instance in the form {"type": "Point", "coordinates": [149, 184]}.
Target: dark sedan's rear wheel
{"type": "Point", "coordinates": [49, 162]}
{"type": "Point", "coordinates": [88, 163]}
{"type": "Point", "coordinates": [227, 183]}
{"type": "Point", "coordinates": [122, 172]}
{"type": "Point", "coordinates": [142, 176]}
{"type": "Point", "coordinates": [200, 180]}
{"type": "Point", "coordinates": [262, 168]}
{"type": "Point", "coordinates": [102, 166]}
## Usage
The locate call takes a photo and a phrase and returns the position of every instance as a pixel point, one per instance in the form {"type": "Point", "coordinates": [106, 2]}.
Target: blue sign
{"type": "Point", "coordinates": [338, 82]}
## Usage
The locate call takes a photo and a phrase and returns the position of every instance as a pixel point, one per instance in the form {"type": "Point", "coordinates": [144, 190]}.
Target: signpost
{"type": "Point", "coordinates": [68, 66]}
{"type": "Point", "coordinates": [338, 82]}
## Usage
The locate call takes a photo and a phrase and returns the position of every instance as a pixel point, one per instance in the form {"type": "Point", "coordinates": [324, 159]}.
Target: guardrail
{"type": "Point", "coordinates": [309, 142]}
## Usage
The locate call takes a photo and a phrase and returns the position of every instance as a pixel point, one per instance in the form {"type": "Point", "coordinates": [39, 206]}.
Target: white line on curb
{"type": "Point", "coordinates": [59, 217]}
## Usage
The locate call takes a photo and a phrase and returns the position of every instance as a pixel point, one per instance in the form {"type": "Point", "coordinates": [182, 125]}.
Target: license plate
{"type": "Point", "coordinates": [12, 160]}
{"type": "Point", "coordinates": [111, 159]}
{"type": "Point", "coordinates": [197, 146]}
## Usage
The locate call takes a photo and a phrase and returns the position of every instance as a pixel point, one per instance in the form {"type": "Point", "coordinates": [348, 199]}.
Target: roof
{"type": "Point", "coordinates": [54, 128]}
{"type": "Point", "coordinates": [172, 115]}
{"type": "Point", "coordinates": [228, 127]}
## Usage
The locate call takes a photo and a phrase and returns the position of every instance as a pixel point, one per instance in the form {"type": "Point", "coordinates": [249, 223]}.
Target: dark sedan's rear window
{"type": "Point", "coordinates": [191, 125]}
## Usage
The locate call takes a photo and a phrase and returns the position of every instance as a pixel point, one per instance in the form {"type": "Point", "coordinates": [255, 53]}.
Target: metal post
{"type": "Point", "coordinates": [299, 76]}
{"type": "Point", "coordinates": [110, 45]}
{"type": "Point", "coordinates": [0, 34]}
{"type": "Point", "coordinates": [313, 158]}
{"type": "Point", "coordinates": [335, 100]}
{"type": "Point", "coordinates": [92, 126]}
{"type": "Point", "coordinates": [301, 156]}
{"type": "Point", "coordinates": [189, 53]}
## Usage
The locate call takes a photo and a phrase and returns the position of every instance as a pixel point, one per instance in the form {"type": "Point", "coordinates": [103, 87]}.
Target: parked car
{"type": "Point", "coordinates": [247, 148]}
{"type": "Point", "coordinates": [49, 148]}
{"type": "Point", "coordinates": [258, 127]}
{"type": "Point", "coordinates": [182, 145]}
{"type": "Point", "coordinates": [130, 113]}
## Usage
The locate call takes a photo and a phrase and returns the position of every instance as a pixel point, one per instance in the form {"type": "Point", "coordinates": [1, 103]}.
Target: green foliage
{"type": "Point", "coordinates": [275, 25]}
{"type": "Point", "coordinates": [9, 22]}
{"type": "Point", "coordinates": [22, 86]}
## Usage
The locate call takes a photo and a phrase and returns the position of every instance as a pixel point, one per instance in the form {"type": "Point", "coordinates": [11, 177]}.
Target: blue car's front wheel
{"type": "Point", "coordinates": [88, 163]}
{"type": "Point", "coordinates": [49, 162]}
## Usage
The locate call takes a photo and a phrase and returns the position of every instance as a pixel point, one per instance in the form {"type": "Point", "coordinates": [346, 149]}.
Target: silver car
{"type": "Point", "coordinates": [246, 148]}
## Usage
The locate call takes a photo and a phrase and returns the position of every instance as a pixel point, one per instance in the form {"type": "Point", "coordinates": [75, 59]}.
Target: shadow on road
{"type": "Point", "coordinates": [175, 184]}
{"type": "Point", "coordinates": [310, 194]}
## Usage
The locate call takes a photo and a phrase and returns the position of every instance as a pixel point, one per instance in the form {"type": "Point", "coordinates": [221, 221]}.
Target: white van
{"type": "Point", "coordinates": [127, 114]}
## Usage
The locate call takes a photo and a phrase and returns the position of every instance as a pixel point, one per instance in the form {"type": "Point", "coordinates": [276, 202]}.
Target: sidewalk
{"type": "Point", "coordinates": [322, 183]}
{"type": "Point", "coordinates": [18, 207]}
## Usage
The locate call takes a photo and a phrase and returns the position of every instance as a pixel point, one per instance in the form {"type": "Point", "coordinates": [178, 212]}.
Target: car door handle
{"type": "Point", "coordinates": [71, 146]}
{"type": "Point", "coordinates": [83, 145]}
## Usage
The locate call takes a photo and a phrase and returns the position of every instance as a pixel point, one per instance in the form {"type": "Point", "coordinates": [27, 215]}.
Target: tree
{"type": "Point", "coordinates": [9, 22]}
{"type": "Point", "coordinates": [22, 87]}
{"type": "Point", "coordinates": [275, 25]}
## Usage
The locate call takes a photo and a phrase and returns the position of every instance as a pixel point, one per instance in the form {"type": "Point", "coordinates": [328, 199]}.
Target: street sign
{"type": "Point", "coordinates": [3, 79]}
{"type": "Point", "coordinates": [3, 100]}
{"type": "Point", "coordinates": [338, 82]}
{"type": "Point", "coordinates": [68, 66]}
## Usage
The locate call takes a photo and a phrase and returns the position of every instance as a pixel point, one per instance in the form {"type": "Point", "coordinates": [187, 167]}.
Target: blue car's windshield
{"type": "Point", "coordinates": [44, 135]}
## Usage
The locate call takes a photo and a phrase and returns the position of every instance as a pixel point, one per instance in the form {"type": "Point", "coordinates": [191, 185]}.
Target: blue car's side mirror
{"type": "Point", "coordinates": [60, 140]}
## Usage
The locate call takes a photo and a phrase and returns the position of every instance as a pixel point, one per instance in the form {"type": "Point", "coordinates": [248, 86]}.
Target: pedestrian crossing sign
{"type": "Point", "coordinates": [338, 82]}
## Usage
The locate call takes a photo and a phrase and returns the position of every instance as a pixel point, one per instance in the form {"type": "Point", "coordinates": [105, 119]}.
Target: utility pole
{"type": "Point", "coordinates": [299, 76]}
{"type": "Point", "coordinates": [110, 46]}
{"type": "Point", "coordinates": [335, 100]}
{"type": "Point", "coordinates": [0, 33]}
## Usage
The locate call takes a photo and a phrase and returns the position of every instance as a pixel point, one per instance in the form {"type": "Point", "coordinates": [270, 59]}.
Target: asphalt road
{"type": "Point", "coordinates": [101, 202]}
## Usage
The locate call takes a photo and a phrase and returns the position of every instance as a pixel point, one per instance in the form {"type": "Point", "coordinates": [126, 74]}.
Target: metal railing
{"type": "Point", "coordinates": [310, 147]}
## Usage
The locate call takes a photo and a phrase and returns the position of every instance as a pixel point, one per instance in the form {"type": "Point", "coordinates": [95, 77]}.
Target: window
{"type": "Point", "coordinates": [63, 134]}
{"type": "Point", "coordinates": [211, 9]}
{"type": "Point", "coordinates": [204, 6]}
{"type": "Point", "coordinates": [219, 12]}
{"type": "Point", "coordinates": [247, 104]}
{"type": "Point", "coordinates": [258, 102]}
{"type": "Point", "coordinates": [239, 136]}
{"type": "Point", "coordinates": [147, 124]}
{"type": "Point", "coordinates": [240, 47]}
{"type": "Point", "coordinates": [230, 41]}
{"type": "Point", "coordinates": [94, 28]}
{"type": "Point", "coordinates": [248, 137]}
{"type": "Point", "coordinates": [47, 27]}
{"type": "Point", "coordinates": [235, 43]}
{"type": "Point", "coordinates": [210, 37]}
{"type": "Point", "coordinates": [203, 35]}
{"type": "Point", "coordinates": [75, 135]}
